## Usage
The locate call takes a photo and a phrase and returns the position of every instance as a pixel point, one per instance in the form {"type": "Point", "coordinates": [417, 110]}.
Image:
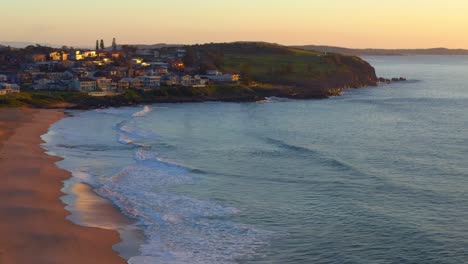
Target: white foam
{"type": "Point", "coordinates": [143, 112]}
{"type": "Point", "coordinates": [178, 228]}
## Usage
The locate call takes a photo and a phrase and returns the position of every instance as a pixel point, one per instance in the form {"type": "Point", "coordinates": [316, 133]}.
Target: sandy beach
{"type": "Point", "coordinates": [33, 221]}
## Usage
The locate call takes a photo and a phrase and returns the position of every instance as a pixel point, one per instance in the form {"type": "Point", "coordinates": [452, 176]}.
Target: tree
{"type": "Point", "coordinates": [246, 74]}
{"type": "Point", "coordinates": [97, 44]}
{"type": "Point", "coordinates": [102, 44]}
{"type": "Point", "coordinates": [189, 58]}
{"type": "Point", "coordinates": [114, 45]}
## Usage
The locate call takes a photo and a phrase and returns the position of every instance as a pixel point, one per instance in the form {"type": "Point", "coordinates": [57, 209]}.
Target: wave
{"type": "Point", "coordinates": [143, 112]}
{"type": "Point", "coordinates": [179, 229]}
{"type": "Point", "coordinates": [131, 134]}
{"type": "Point", "coordinates": [274, 99]}
{"type": "Point", "coordinates": [96, 147]}
{"type": "Point", "coordinates": [120, 111]}
{"type": "Point", "coordinates": [317, 155]}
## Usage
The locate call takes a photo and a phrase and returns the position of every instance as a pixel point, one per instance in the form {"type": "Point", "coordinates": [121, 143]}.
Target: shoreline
{"type": "Point", "coordinates": [35, 225]}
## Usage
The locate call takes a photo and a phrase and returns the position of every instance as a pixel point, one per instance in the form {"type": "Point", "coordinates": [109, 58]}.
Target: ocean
{"type": "Point", "coordinates": [377, 175]}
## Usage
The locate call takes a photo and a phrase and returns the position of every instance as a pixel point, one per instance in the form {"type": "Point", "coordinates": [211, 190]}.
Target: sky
{"type": "Point", "coordinates": [348, 23]}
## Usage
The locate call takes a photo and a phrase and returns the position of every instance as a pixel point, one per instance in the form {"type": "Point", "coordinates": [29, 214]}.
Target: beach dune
{"type": "Point", "coordinates": [33, 224]}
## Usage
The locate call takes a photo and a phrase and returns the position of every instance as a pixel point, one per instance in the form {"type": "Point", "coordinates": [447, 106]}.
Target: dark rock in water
{"type": "Point", "coordinates": [383, 80]}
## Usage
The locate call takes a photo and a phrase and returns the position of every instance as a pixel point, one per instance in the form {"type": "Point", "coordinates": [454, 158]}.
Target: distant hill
{"type": "Point", "coordinates": [21, 45]}
{"type": "Point", "coordinates": [385, 52]}
{"type": "Point", "coordinates": [152, 46]}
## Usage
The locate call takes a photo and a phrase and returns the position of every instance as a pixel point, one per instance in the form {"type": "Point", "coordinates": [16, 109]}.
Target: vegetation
{"type": "Point", "coordinates": [266, 70]}
{"type": "Point", "coordinates": [80, 100]}
{"type": "Point", "coordinates": [280, 65]}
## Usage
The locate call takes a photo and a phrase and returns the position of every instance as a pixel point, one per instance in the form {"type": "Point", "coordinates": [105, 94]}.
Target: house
{"type": "Point", "coordinates": [58, 56]}
{"type": "Point", "coordinates": [59, 75]}
{"type": "Point", "coordinates": [84, 85]}
{"type": "Point", "coordinates": [186, 80]}
{"type": "Point", "coordinates": [199, 81]}
{"type": "Point", "coordinates": [7, 88]}
{"type": "Point", "coordinates": [150, 82]}
{"type": "Point", "coordinates": [218, 77]}
{"type": "Point", "coordinates": [42, 84]}
{"type": "Point", "coordinates": [137, 61]}
{"type": "Point", "coordinates": [213, 72]}
{"type": "Point", "coordinates": [104, 84]}
{"type": "Point", "coordinates": [90, 54]}
{"type": "Point", "coordinates": [77, 56]}
{"type": "Point", "coordinates": [80, 72]}
{"type": "Point", "coordinates": [177, 66]}
{"type": "Point", "coordinates": [145, 52]}
{"type": "Point", "coordinates": [170, 80]}
{"type": "Point", "coordinates": [116, 55]}
{"type": "Point", "coordinates": [48, 84]}
{"type": "Point", "coordinates": [161, 70]}
{"type": "Point", "coordinates": [125, 83]}
{"type": "Point", "coordinates": [36, 57]}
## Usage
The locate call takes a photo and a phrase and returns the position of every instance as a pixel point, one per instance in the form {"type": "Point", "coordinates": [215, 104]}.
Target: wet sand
{"type": "Point", "coordinates": [33, 221]}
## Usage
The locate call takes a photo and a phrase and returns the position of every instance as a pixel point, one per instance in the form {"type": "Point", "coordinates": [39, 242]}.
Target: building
{"type": "Point", "coordinates": [170, 80]}
{"type": "Point", "coordinates": [90, 54]}
{"type": "Point", "coordinates": [58, 56]}
{"type": "Point", "coordinates": [77, 56]}
{"type": "Point", "coordinates": [199, 81]}
{"type": "Point", "coordinates": [161, 70]}
{"type": "Point", "coordinates": [124, 84]}
{"type": "Point", "coordinates": [56, 85]}
{"type": "Point", "coordinates": [7, 88]}
{"type": "Point", "coordinates": [59, 75]}
{"type": "Point", "coordinates": [36, 57]}
{"type": "Point", "coordinates": [150, 82]}
{"type": "Point", "coordinates": [218, 77]}
{"type": "Point", "coordinates": [84, 85]}
{"type": "Point", "coordinates": [104, 84]}
{"type": "Point", "coordinates": [186, 80]}
{"type": "Point", "coordinates": [3, 78]}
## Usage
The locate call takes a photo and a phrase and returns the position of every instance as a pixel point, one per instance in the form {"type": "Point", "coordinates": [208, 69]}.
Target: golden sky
{"type": "Point", "coordinates": [357, 24]}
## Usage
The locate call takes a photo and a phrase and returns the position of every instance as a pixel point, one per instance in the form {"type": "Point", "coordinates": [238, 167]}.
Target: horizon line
{"type": "Point", "coordinates": [3, 43]}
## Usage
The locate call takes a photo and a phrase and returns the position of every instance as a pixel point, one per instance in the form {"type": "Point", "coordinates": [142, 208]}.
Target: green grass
{"type": "Point", "coordinates": [46, 99]}
{"type": "Point", "coordinates": [280, 68]}
{"type": "Point", "coordinates": [39, 99]}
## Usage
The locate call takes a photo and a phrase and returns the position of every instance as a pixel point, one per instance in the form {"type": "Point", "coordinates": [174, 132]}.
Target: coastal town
{"type": "Point", "coordinates": [103, 71]}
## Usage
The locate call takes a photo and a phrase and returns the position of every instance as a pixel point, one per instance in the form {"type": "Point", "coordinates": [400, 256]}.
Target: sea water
{"type": "Point", "coordinates": [378, 175]}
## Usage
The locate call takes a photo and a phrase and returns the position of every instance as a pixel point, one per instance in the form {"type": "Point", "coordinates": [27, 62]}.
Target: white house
{"type": "Point", "coordinates": [7, 88]}
{"type": "Point", "coordinates": [186, 80]}
{"type": "Point", "coordinates": [84, 85]}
